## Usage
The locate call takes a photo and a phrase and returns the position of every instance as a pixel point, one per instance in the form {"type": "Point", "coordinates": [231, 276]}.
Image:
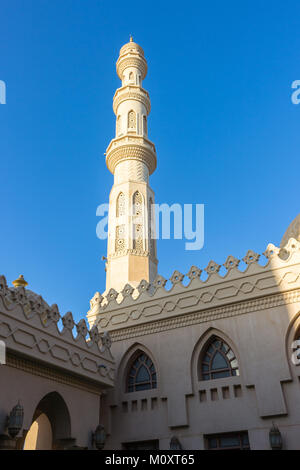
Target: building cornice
{"type": "Point", "coordinates": [29, 328]}
{"type": "Point", "coordinates": [203, 316]}
{"type": "Point", "coordinates": [153, 302]}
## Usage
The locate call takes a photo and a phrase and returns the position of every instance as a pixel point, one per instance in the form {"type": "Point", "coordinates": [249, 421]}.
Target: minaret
{"type": "Point", "coordinates": [131, 158]}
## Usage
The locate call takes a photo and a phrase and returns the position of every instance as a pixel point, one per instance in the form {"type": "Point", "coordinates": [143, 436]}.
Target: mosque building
{"type": "Point", "coordinates": [208, 363]}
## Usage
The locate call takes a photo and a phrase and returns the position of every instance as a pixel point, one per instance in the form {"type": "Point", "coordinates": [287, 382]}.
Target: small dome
{"type": "Point", "coordinates": [131, 47]}
{"type": "Point", "coordinates": [293, 231]}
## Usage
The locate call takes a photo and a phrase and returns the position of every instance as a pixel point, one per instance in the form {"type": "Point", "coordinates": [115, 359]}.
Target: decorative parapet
{"type": "Point", "coordinates": [29, 328]}
{"type": "Point", "coordinates": [151, 302]}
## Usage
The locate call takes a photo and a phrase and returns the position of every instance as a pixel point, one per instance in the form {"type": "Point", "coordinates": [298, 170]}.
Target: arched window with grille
{"type": "Point", "coordinates": [141, 373]}
{"type": "Point", "coordinates": [218, 360]}
{"type": "Point", "coordinates": [137, 203]}
{"type": "Point", "coordinates": [131, 120]}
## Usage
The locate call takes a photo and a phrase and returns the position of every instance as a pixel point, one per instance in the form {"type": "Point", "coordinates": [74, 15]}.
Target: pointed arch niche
{"type": "Point", "coordinates": [215, 357]}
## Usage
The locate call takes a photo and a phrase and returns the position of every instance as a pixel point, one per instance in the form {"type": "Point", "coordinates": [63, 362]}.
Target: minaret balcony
{"type": "Point", "coordinates": [131, 147]}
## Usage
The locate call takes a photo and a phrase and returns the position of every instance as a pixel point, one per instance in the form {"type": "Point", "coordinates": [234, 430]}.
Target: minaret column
{"type": "Point", "coordinates": [131, 157]}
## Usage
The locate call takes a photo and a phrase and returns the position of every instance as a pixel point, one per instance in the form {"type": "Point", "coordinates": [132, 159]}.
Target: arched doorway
{"type": "Point", "coordinates": [39, 436]}
{"type": "Point", "coordinates": [51, 425]}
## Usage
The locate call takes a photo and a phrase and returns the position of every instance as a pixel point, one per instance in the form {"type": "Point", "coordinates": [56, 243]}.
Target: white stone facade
{"type": "Point", "coordinates": [131, 157]}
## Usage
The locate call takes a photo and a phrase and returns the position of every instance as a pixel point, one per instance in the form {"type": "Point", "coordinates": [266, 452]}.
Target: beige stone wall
{"type": "Point", "coordinates": [256, 311]}
{"type": "Point", "coordinates": [31, 387]}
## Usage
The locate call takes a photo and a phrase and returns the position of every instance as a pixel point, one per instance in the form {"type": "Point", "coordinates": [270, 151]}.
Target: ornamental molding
{"type": "Point", "coordinates": [158, 301]}
{"type": "Point", "coordinates": [50, 373]}
{"type": "Point", "coordinates": [237, 309]}
{"type": "Point", "coordinates": [132, 251]}
{"type": "Point", "coordinates": [131, 60]}
{"type": "Point", "coordinates": [131, 93]}
{"type": "Point", "coordinates": [29, 327]}
{"type": "Point", "coordinates": [131, 148]}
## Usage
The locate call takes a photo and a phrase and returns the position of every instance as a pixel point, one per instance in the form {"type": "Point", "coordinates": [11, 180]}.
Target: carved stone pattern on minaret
{"type": "Point", "coordinates": [131, 120]}
{"type": "Point", "coordinates": [120, 243]}
{"type": "Point", "coordinates": [138, 237]}
{"type": "Point", "coordinates": [145, 152]}
{"type": "Point", "coordinates": [120, 205]}
{"type": "Point", "coordinates": [137, 62]}
{"type": "Point", "coordinates": [131, 170]}
{"type": "Point", "coordinates": [137, 203]}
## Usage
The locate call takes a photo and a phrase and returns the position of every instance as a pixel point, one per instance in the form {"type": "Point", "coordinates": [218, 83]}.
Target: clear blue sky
{"type": "Point", "coordinates": [226, 132]}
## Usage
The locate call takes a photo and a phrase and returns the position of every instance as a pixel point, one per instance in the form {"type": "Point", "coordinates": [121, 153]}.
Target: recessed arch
{"type": "Point", "coordinates": [131, 120]}
{"type": "Point", "coordinates": [140, 373]}
{"type": "Point", "coordinates": [51, 410]}
{"type": "Point", "coordinates": [124, 366]}
{"type": "Point", "coordinates": [202, 344]}
{"type": "Point", "coordinates": [217, 360]}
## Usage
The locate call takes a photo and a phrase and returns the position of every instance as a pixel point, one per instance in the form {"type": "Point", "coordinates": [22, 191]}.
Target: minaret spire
{"type": "Point", "coordinates": [131, 157]}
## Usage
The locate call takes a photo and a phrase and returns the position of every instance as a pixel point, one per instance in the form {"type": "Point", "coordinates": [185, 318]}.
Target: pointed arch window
{"type": "Point", "coordinates": [131, 120]}
{"type": "Point", "coordinates": [218, 361]}
{"type": "Point", "coordinates": [141, 374]}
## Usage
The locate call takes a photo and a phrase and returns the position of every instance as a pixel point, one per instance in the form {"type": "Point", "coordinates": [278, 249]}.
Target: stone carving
{"type": "Point", "coordinates": [94, 334]}
{"type": "Point", "coordinates": [194, 273]}
{"type": "Point", "coordinates": [159, 282]}
{"type": "Point", "coordinates": [82, 328]}
{"type": "Point", "coordinates": [212, 268]}
{"type": "Point", "coordinates": [120, 205]}
{"type": "Point", "coordinates": [96, 300]}
{"type": "Point", "coordinates": [131, 120]}
{"type": "Point", "coordinates": [120, 243]}
{"type": "Point", "coordinates": [143, 286]}
{"type": "Point", "coordinates": [28, 325]}
{"type": "Point", "coordinates": [280, 257]}
{"type": "Point", "coordinates": [176, 277]}
{"type": "Point", "coordinates": [68, 321]}
{"type": "Point", "coordinates": [231, 262]}
{"type": "Point", "coordinates": [251, 257]}
{"type": "Point", "coordinates": [106, 340]}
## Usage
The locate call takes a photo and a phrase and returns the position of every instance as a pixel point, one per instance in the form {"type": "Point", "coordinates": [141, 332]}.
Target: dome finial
{"type": "Point", "coordinates": [131, 38]}
{"type": "Point", "coordinates": [20, 282]}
